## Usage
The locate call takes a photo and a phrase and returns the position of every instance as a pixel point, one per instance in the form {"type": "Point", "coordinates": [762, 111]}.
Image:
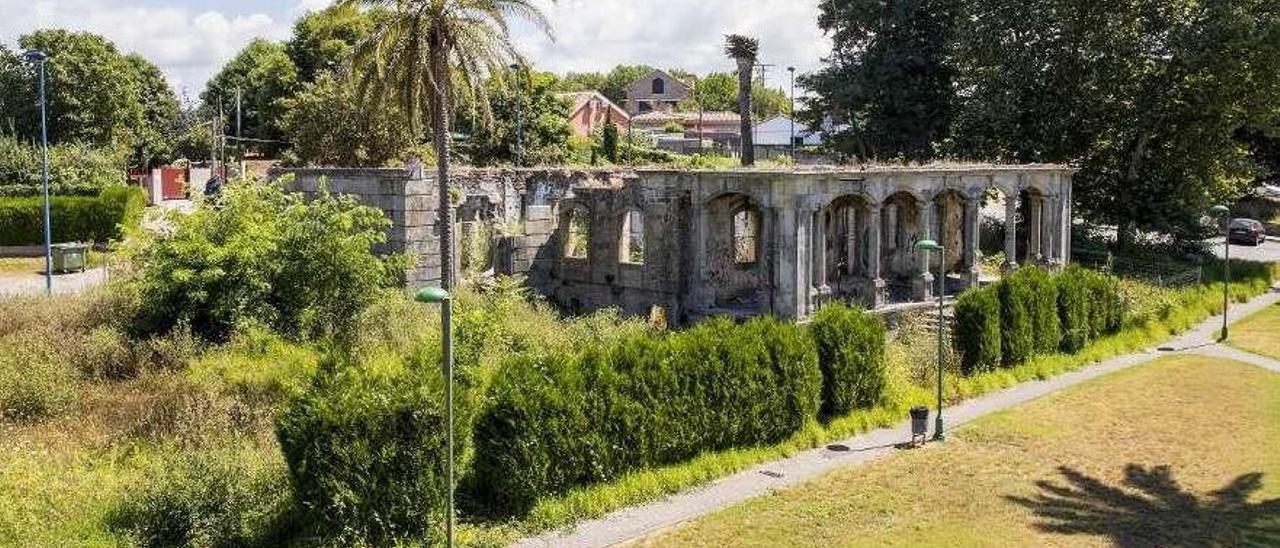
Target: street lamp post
{"type": "Point", "coordinates": [40, 57]}
{"type": "Point", "coordinates": [438, 295]}
{"type": "Point", "coordinates": [792, 113]}
{"type": "Point", "coordinates": [519, 118]}
{"type": "Point", "coordinates": [926, 246]}
{"type": "Point", "coordinates": [1225, 212]}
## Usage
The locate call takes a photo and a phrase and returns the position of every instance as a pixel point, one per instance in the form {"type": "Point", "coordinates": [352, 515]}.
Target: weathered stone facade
{"type": "Point", "coordinates": [712, 242]}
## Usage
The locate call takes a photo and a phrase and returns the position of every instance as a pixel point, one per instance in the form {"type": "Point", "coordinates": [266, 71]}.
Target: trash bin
{"type": "Point", "coordinates": [69, 257]}
{"type": "Point", "coordinates": [919, 423]}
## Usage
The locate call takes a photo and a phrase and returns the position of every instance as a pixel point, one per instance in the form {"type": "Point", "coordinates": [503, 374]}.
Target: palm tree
{"type": "Point", "coordinates": [744, 49]}
{"type": "Point", "coordinates": [429, 52]}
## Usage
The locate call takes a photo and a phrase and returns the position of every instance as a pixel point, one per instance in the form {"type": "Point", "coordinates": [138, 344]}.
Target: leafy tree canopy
{"type": "Point", "coordinates": [324, 40]}
{"type": "Point", "coordinates": [612, 84]}
{"type": "Point", "coordinates": [544, 120]}
{"type": "Point", "coordinates": [329, 126]}
{"type": "Point", "coordinates": [264, 74]}
{"type": "Point", "coordinates": [719, 91]}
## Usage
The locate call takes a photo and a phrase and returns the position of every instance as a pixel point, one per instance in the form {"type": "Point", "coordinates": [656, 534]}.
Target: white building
{"type": "Point", "coordinates": [776, 132]}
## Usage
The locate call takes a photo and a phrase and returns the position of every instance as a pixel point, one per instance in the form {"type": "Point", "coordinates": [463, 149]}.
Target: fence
{"type": "Point", "coordinates": [1164, 273]}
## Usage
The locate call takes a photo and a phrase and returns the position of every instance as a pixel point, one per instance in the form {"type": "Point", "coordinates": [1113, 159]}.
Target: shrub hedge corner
{"type": "Point", "coordinates": [97, 219]}
{"type": "Point", "coordinates": [850, 345]}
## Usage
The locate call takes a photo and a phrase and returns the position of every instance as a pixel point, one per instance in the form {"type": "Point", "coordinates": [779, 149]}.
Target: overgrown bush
{"type": "Point", "coordinates": [1043, 306]}
{"type": "Point", "coordinates": [1017, 342]}
{"type": "Point", "coordinates": [564, 420]}
{"type": "Point", "coordinates": [366, 451]}
{"type": "Point", "coordinates": [35, 381]}
{"type": "Point", "coordinates": [262, 256]}
{"type": "Point", "coordinates": [977, 328]}
{"type": "Point", "coordinates": [75, 218]}
{"type": "Point", "coordinates": [850, 344]}
{"type": "Point", "coordinates": [1074, 308]}
{"type": "Point", "coordinates": [207, 499]}
{"type": "Point", "coordinates": [71, 165]}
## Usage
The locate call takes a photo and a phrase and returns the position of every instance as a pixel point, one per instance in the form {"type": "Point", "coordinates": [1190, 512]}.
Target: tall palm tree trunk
{"type": "Point", "coordinates": [744, 109]}
{"type": "Point", "coordinates": [440, 141]}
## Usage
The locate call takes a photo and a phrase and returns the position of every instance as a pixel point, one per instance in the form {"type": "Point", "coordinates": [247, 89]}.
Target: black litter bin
{"type": "Point", "coordinates": [919, 423]}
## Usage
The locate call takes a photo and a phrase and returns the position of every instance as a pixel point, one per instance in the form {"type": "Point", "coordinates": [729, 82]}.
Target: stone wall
{"type": "Point", "coordinates": [716, 242]}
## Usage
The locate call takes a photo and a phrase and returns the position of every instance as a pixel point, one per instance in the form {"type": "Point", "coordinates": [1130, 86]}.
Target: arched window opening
{"type": "Point", "coordinates": [746, 236]}
{"type": "Point", "coordinates": [632, 246]}
{"type": "Point", "coordinates": [659, 86]}
{"type": "Point", "coordinates": [578, 240]}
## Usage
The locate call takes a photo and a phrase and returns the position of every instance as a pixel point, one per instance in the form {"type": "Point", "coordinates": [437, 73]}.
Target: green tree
{"type": "Point", "coordinates": [158, 127]}
{"type": "Point", "coordinates": [424, 53]}
{"type": "Point", "coordinates": [328, 125]}
{"type": "Point", "coordinates": [612, 84]}
{"type": "Point", "coordinates": [92, 90]}
{"type": "Point", "coordinates": [264, 75]}
{"type": "Point", "coordinates": [719, 91]}
{"type": "Point", "coordinates": [17, 96]}
{"type": "Point", "coordinates": [609, 140]}
{"type": "Point", "coordinates": [324, 40]}
{"type": "Point", "coordinates": [743, 50]}
{"type": "Point", "coordinates": [888, 76]}
{"type": "Point", "coordinates": [544, 120]}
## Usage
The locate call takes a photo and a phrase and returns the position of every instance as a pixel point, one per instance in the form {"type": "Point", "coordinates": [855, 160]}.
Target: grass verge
{"type": "Point", "coordinates": [1110, 460]}
{"type": "Point", "coordinates": [1259, 333]}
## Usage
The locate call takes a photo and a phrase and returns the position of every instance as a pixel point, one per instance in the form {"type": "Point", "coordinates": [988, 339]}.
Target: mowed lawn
{"type": "Point", "coordinates": [1184, 451]}
{"type": "Point", "coordinates": [1259, 333]}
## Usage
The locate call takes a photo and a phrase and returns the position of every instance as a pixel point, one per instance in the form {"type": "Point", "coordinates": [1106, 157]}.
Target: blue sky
{"type": "Point", "coordinates": [191, 39]}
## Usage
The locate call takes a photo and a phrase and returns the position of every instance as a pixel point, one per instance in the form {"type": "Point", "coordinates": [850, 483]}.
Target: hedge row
{"type": "Point", "coordinates": [75, 218]}
{"type": "Point", "coordinates": [9, 191]}
{"type": "Point", "coordinates": [1033, 312]}
{"type": "Point", "coordinates": [561, 421]}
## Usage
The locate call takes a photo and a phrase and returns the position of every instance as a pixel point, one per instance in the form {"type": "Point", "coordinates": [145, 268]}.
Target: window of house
{"type": "Point", "coordinates": [578, 240]}
{"type": "Point", "coordinates": [746, 236]}
{"type": "Point", "coordinates": [659, 86]}
{"type": "Point", "coordinates": [632, 246]}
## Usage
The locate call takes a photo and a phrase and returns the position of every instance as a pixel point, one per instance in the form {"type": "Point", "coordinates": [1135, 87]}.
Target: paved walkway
{"type": "Point", "coordinates": [630, 523]}
{"type": "Point", "coordinates": [34, 283]}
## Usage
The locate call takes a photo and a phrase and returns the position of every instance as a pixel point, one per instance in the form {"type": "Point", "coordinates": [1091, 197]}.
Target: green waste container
{"type": "Point", "coordinates": [69, 257]}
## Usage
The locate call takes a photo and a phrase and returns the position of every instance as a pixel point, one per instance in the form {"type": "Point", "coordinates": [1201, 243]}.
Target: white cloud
{"type": "Point", "coordinates": [191, 44]}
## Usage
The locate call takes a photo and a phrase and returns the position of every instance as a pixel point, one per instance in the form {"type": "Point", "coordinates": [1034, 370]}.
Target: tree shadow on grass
{"type": "Point", "coordinates": [1151, 509]}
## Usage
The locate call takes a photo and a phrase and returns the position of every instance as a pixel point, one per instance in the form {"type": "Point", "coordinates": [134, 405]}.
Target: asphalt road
{"type": "Point", "coordinates": [1269, 251]}
{"type": "Point", "coordinates": [33, 283]}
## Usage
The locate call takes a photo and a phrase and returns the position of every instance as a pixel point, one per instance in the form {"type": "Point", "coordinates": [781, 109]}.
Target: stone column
{"type": "Point", "coordinates": [922, 282]}
{"type": "Point", "coordinates": [820, 251]}
{"type": "Point", "coordinates": [972, 231]}
{"type": "Point", "coordinates": [1011, 233]}
{"type": "Point", "coordinates": [702, 295]}
{"type": "Point", "coordinates": [1035, 230]}
{"type": "Point", "coordinates": [875, 284]}
{"type": "Point", "coordinates": [1055, 254]}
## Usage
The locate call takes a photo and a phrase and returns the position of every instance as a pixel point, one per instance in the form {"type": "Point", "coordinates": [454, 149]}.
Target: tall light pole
{"type": "Point", "coordinates": [792, 113]}
{"type": "Point", "coordinates": [926, 246]}
{"type": "Point", "coordinates": [1225, 213]}
{"type": "Point", "coordinates": [40, 58]}
{"type": "Point", "coordinates": [519, 152]}
{"type": "Point", "coordinates": [438, 295]}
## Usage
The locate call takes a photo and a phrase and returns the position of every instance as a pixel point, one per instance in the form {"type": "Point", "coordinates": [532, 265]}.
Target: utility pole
{"type": "Point", "coordinates": [239, 141]}
{"type": "Point", "coordinates": [519, 152]}
{"type": "Point", "coordinates": [792, 113]}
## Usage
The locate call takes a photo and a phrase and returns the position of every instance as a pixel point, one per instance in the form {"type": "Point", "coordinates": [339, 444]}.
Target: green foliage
{"type": "Point", "coordinates": [99, 219]}
{"type": "Point", "coordinates": [609, 140]}
{"type": "Point", "coordinates": [1043, 306]}
{"type": "Point", "coordinates": [1017, 342]}
{"type": "Point", "coordinates": [544, 122]}
{"type": "Point", "coordinates": [1106, 311]}
{"type": "Point", "coordinates": [35, 382]}
{"type": "Point", "coordinates": [323, 40]}
{"type": "Point", "coordinates": [159, 124]}
{"type": "Point", "coordinates": [977, 330]}
{"type": "Point", "coordinates": [367, 452]}
{"type": "Point", "coordinates": [213, 499]}
{"type": "Point", "coordinates": [851, 346]}
{"type": "Point", "coordinates": [306, 269]}
{"type": "Point", "coordinates": [612, 85]}
{"type": "Point", "coordinates": [329, 126]}
{"type": "Point", "coordinates": [1074, 308]}
{"type": "Point", "coordinates": [74, 168]}
{"type": "Point", "coordinates": [890, 73]}
{"type": "Point", "coordinates": [569, 419]}
{"type": "Point", "coordinates": [264, 75]}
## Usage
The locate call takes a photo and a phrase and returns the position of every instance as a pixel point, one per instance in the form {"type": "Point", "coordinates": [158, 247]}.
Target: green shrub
{"type": "Point", "coordinates": [565, 420]}
{"type": "Point", "coordinates": [850, 345]}
{"type": "Point", "coordinates": [75, 218]}
{"type": "Point", "coordinates": [1017, 342]}
{"type": "Point", "coordinates": [35, 382]}
{"type": "Point", "coordinates": [366, 452]}
{"type": "Point", "coordinates": [977, 330]}
{"type": "Point", "coordinates": [1106, 310]}
{"type": "Point", "coordinates": [209, 499]}
{"type": "Point", "coordinates": [1043, 307]}
{"type": "Point", "coordinates": [70, 165]}
{"type": "Point", "coordinates": [305, 269]}
{"type": "Point", "coordinates": [1074, 311]}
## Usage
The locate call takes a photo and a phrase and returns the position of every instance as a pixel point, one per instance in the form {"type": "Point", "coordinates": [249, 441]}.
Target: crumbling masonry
{"type": "Point", "coordinates": [699, 243]}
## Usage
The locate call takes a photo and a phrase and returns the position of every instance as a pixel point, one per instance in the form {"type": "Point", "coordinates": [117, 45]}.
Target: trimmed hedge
{"type": "Point", "coordinates": [978, 331]}
{"type": "Point", "coordinates": [366, 452]}
{"type": "Point", "coordinates": [1033, 312]}
{"type": "Point", "coordinates": [850, 346]}
{"type": "Point", "coordinates": [75, 218]}
{"type": "Point", "coordinates": [560, 421]}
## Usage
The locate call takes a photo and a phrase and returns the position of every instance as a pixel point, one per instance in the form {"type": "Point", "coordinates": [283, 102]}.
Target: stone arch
{"type": "Point", "coordinates": [575, 231]}
{"type": "Point", "coordinates": [631, 236]}
{"type": "Point", "coordinates": [736, 265]}
{"type": "Point", "coordinates": [845, 223]}
{"type": "Point", "coordinates": [948, 219]}
{"type": "Point", "coordinates": [901, 229]}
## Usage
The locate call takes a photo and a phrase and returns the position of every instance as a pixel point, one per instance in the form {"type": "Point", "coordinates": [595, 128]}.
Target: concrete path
{"type": "Point", "coordinates": [630, 523]}
{"type": "Point", "coordinates": [34, 283]}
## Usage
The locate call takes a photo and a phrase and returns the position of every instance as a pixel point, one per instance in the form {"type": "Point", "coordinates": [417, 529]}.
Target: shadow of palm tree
{"type": "Point", "coordinates": [1151, 509]}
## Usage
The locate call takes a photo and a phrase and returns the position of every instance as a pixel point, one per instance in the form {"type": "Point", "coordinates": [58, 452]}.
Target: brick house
{"type": "Point", "coordinates": [656, 91]}
{"type": "Point", "coordinates": [589, 110]}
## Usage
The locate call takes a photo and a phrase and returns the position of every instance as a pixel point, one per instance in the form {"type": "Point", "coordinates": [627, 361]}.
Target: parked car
{"type": "Point", "coordinates": [1247, 231]}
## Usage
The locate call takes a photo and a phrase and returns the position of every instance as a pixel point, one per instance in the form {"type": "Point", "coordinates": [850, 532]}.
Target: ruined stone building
{"type": "Point", "coordinates": [699, 243]}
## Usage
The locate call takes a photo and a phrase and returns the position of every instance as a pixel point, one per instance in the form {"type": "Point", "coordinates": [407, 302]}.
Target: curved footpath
{"type": "Point", "coordinates": [630, 523]}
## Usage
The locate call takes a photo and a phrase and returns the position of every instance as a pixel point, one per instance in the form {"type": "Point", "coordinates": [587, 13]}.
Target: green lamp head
{"type": "Point", "coordinates": [432, 295]}
{"type": "Point", "coordinates": [928, 245]}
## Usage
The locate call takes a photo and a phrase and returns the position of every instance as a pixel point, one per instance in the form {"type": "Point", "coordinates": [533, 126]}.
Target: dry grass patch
{"type": "Point", "coordinates": [1179, 452]}
{"type": "Point", "coordinates": [1259, 333]}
